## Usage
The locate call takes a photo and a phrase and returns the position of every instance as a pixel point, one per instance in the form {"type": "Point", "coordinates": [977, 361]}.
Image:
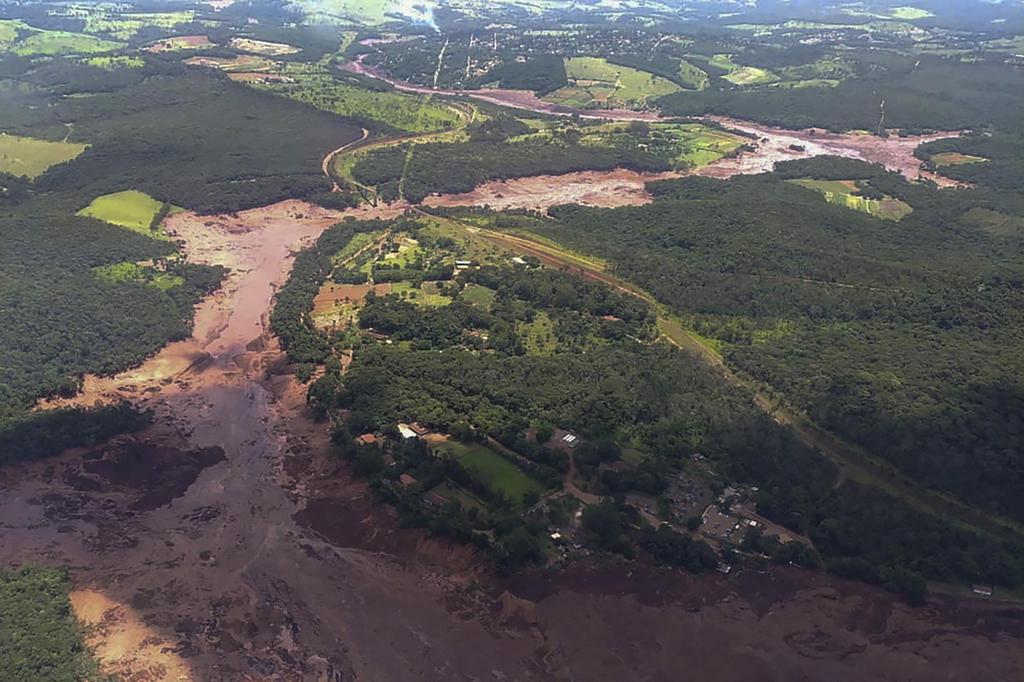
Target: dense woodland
{"type": "Point", "coordinates": [906, 341]}
{"type": "Point", "coordinates": [34, 601]}
{"type": "Point", "coordinates": [452, 168]}
{"type": "Point", "coordinates": [919, 93]}
{"type": "Point", "coordinates": [620, 391]}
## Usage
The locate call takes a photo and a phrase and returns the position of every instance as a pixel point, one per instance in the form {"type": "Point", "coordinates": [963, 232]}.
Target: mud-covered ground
{"type": "Point", "coordinates": [224, 543]}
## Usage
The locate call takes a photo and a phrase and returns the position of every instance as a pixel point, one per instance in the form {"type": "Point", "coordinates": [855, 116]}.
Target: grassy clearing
{"type": "Point", "coordinates": [492, 470]}
{"type": "Point", "coordinates": [596, 83]}
{"type": "Point", "coordinates": [955, 159]}
{"type": "Point", "coordinates": [30, 158]}
{"type": "Point", "coordinates": [126, 271]}
{"type": "Point", "coordinates": [410, 113]}
{"type": "Point", "coordinates": [845, 193]}
{"type": "Point", "coordinates": [56, 43]}
{"type": "Point", "coordinates": [909, 13]}
{"type": "Point", "coordinates": [130, 209]}
{"type": "Point", "coordinates": [740, 74]}
{"type": "Point", "coordinates": [694, 77]}
{"type": "Point", "coordinates": [359, 241]}
{"type": "Point", "coordinates": [425, 296]}
{"type": "Point", "coordinates": [478, 295]}
{"type": "Point", "coordinates": [538, 336]}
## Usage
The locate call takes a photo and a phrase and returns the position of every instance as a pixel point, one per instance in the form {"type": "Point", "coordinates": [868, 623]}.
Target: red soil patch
{"type": "Point", "coordinates": [331, 294]}
{"type": "Point", "coordinates": [180, 43]}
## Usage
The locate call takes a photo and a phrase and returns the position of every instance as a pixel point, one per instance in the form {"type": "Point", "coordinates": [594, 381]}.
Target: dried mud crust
{"type": "Point", "coordinates": [225, 543]}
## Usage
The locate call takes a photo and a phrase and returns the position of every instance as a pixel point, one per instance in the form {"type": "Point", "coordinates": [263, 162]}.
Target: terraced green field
{"type": "Point", "coordinates": [30, 158]}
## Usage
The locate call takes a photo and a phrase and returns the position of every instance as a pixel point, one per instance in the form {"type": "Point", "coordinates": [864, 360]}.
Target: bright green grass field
{"type": "Point", "coordinates": [29, 157]}
{"type": "Point", "coordinates": [844, 193]}
{"type": "Point", "coordinates": [538, 336]}
{"type": "Point", "coordinates": [494, 471]}
{"type": "Point", "coordinates": [131, 209]}
{"type": "Point", "coordinates": [609, 84]}
{"type": "Point", "coordinates": [54, 43]}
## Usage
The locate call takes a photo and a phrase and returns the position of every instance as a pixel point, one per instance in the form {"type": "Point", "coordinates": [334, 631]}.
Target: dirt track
{"type": "Point", "coordinates": [225, 544]}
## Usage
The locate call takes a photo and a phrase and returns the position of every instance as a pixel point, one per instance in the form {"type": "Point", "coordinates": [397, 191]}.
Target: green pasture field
{"type": "Point", "coordinates": [478, 295]}
{"type": "Point", "coordinates": [409, 113]}
{"type": "Point", "coordinates": [845, 193]}
{"type": "Point", "coordinates": [594, 82]}
{"type": "Point", "coordinates": [130, 209]}
{"type": "Point", "coordinates": [494, 471]}
{"type": "Point", "coordinates": [30, 158]}
{"type": "Point", "coordinates": [740, 74]}
{"type": "Point", "coordinates": [55, 43]}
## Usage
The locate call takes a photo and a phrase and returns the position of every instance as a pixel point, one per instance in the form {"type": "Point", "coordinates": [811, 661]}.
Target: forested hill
{"type": "Point", "coordinates": [71, 302]}
{"type": "Point", "coordinates": [914, 94]}
{"type": "Point", "coordinates": [903, 337]}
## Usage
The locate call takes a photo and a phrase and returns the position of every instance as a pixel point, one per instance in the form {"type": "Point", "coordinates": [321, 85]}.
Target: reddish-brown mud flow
{"type": "Point", "coordinates": [223, 543]}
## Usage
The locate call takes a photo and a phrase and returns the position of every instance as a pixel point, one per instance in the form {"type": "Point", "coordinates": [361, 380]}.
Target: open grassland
{"type": "Point", "coordinates": [955, 159]}
{"type": "Point", "coordinates": [478, 295]}
{"type": "Point", "coordinates": [740, 74]}
{"type": "Point", "coordinates": [130, 209]}
{"type": "Point", "coordinates": [492, 470]}
{"type": "Point", "coordinates": [596, 83]}
{"type": "Point", "coordinates": [409, 113]}
{"type": "Point", "coordinates": [55, 43]}
{"type": "Point", "coordinates": [845, 193]}
{"type": "Point", "coordinates": [30, 158]}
